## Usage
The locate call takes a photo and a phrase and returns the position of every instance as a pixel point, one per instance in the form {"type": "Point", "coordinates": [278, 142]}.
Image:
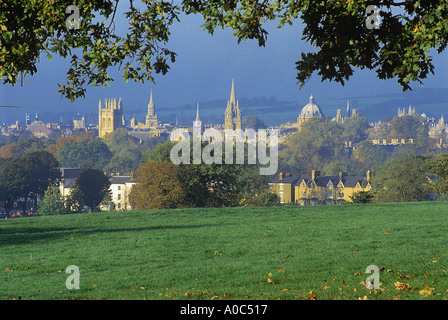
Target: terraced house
{"type": "Point", "coordinates": [316, 189]}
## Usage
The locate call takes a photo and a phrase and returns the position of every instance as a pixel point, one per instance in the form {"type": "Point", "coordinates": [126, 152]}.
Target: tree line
{"type": "Point", "coordinates": [35, 178]}
{"type": "Point", "coordinates": [330, 147]}
{"type": "Point", "coordinates": [162, 184]}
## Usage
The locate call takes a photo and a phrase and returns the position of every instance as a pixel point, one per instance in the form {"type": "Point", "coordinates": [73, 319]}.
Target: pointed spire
{"type": "Point", "coordinates": [151, 106]}
{"type": "Point", "coordinates": [348, 108]}
{"type": "Point", "coordinates": [150, 99]}
{"type": "Point", "coordinates": [197, 113]}
{"type": "Point", "coordinates": [232, 93]}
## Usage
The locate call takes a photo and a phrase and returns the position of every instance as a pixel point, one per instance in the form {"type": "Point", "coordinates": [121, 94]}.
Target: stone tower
{"type": "Point", "coordinates": [339, 116]}
{"type": "Point", "coordinates": [110, 117]}
{"type": "Point", "coordinates": [151, 117]}
{"type": "Point", "coordinates": [233, 113]}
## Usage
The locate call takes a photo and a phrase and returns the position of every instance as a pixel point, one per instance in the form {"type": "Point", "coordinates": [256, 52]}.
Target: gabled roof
{"type": "Point", "coordinates": [322, 181]}
{"type": "Point", "coordinates": [351, 181]}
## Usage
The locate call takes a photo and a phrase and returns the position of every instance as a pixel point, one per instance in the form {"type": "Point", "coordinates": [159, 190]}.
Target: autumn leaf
{"type": "Point", "coordinates": [401, 286]}
{"type": "Point", "coordinates": [312, 295]}
{"type": "Point", "coordinates": [427, 291]}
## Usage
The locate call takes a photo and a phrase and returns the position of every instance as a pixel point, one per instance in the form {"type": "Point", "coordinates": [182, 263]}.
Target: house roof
{"type": "Point", "coordinates": [69, 175]}
{"type": "Point", "coordinates": [322, 181]}
{"type": "Point", "coordinates": [290, 179]}
{"type": "Point", "coordinates": [351, 181]}
{"type": "Point", "coordinates": [120, 179]}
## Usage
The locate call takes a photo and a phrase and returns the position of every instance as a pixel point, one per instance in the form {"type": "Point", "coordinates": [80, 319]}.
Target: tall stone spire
{"type": "Point", "coordinates": [348, 108]}
{"type": "Point", "coordinates": [197, 124]}
{"type": "Point", "coordinates": [232, 93]}
{"type": "Point", "coordinates": [197, 113]}
{"type": "Point", "coordinates": [151, 106]}
{"type": "Point", "coordinates": [232, 114]}
{"type": "Point", "coordinates": [151, 117]}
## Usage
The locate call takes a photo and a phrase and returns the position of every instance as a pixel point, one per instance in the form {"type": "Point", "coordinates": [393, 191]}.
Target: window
{"type": "Point", "coordinates": [119, 197]}
{"type": "Point", "coordinates": [119, 187]}
{"type": "Point", "coordinates": [281, 186]}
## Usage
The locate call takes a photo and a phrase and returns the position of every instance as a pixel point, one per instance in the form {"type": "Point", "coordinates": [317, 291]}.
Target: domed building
{"type": "Point", "coordinates": [309, 111]}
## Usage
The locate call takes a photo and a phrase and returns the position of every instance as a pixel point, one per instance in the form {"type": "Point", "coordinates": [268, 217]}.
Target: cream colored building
{"type": "Point", "coordinates": [120, 187]}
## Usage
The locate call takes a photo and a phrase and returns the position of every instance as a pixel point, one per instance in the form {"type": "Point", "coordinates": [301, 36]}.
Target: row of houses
{"type": "Point", "coordinates": [120, 187]}
{"type": "Point", "coordinates": [310, 189]}
{"type": "Point", "coordinates": [316, 189]}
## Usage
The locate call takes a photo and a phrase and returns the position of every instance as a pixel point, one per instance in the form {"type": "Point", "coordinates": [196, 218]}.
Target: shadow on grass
{"type": "Point", "coordinates": [24, 235]}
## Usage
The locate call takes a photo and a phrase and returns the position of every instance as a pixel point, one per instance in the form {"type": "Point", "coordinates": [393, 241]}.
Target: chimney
{"type": "Point", "coordinates": [105, 173]}
{"type": "Point", "coordinates": [280, 175]}
{"type": "Point", "coordinates": [368, 174]}
{"type": "Point", "coordinates": [342, 175]}
{"type": "Point", "coordinates": [314, 174]}
{"type": "Point", "coordinates": [132, 175]}
{"type": "Point", "coordinates": [289, 174]}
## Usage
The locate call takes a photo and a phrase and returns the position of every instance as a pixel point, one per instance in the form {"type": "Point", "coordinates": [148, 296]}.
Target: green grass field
{"type": "Point", "coordinates": [318, 252]}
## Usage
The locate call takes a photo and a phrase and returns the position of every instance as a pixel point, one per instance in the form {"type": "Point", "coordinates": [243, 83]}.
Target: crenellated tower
{"type": "Point", "coordinates": [110, 117]}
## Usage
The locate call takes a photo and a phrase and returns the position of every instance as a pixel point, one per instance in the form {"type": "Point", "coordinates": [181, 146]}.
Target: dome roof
{"type": "Point", "coordinates": [311, 110]}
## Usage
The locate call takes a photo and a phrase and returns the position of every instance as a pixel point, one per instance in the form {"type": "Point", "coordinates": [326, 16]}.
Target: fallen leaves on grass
{"type": "Point", "coordinates": [401, 286]}
{"type": "Point", "coordinates": [269, 279]}
{"type": "Point", "coordinates": [427, 291]}
{"type": "Point", "coordinates": [312, 295]}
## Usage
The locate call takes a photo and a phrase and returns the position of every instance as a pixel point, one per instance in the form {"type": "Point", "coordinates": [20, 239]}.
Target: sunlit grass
{"type": "Point", "coordinates": [292, 252]}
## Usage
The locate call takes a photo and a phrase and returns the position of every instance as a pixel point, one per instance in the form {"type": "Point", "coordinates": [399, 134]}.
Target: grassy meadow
{"type": "Point", "coordinates": [318, 252]}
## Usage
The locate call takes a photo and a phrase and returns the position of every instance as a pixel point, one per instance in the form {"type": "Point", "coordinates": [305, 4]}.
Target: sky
{"type": "Point", "coordinates": [203, 71]}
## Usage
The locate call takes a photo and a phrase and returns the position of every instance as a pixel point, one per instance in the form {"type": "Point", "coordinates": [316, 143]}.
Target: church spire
{"type": "Point", "coordinates": [197, 113]}
{"type": "Point", "coordinates": [151, 106]}
{"type": "Point", "coordinates": [232, 113]}
{"type": "Point", "coordinates": [348, 108]}
{"type": "Point", "coordinates": [232, 93]}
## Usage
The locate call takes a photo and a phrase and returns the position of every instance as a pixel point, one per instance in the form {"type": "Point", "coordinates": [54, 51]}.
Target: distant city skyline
{"type": "Point", "coordinates": [205, 67]}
